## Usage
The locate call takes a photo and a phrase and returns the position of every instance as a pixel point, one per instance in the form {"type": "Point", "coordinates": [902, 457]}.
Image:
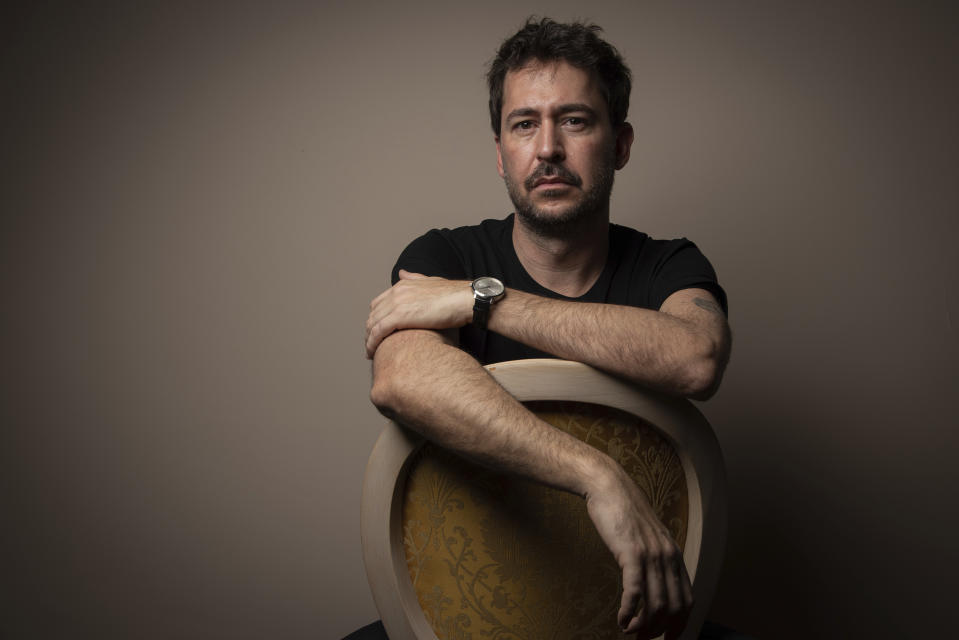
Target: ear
{"type": "Point", "coordinates": [624, 142]}
{"type": "Point", "coordinates": [499, 158]}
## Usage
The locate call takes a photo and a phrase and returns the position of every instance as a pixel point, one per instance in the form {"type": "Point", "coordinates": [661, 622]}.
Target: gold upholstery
{"type": "Point", "coordinates": [493, 556]}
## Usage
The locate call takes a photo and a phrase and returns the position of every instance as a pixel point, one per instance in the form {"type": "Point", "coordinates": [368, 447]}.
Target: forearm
{"type": "Point", "coordinates": [440, 391]}
{"type": "Point", "coordinates": [648, 347]}
{"type": "Point", "coordinates": [680, 349]}
{"type": "Point", "coordinates": [445, 395]}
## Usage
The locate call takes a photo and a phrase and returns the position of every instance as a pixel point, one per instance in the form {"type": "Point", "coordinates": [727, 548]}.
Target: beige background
{"type": "Point", "coordinates": [198, 205]}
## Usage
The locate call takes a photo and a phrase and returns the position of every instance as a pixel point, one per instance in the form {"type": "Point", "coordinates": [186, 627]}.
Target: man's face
{"type": "Point", "coordinates": [557, 150]}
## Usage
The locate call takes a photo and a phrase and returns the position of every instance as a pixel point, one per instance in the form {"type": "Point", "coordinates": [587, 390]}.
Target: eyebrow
{"type": "Point", "coordinates": [571, 107]}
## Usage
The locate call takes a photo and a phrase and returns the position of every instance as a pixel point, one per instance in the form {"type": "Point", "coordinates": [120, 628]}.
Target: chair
{"type": "Point", "coordinates": [454, 550]}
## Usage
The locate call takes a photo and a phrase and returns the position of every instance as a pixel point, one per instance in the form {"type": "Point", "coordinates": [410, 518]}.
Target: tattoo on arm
{"type": "Point", "coordinates": [708, 305]}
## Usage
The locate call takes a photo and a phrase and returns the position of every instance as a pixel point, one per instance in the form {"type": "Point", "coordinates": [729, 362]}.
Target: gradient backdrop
{"type": "Point", "coordinates": [199, 202]}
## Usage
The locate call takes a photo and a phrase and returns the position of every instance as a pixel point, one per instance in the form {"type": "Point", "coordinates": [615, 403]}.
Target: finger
{"type": "Point", "coordinates": [679, 623]}
{"type": "Point", "coordinates": [378, 331]}
{"type": "Point", "coordinates": [675, 612]}
{"type": "Point", "coordinates": [633, 589]}
{"type": "Point", "coordinates": [372, 342]}
{"type": "Point", "coordinates": [376, 315]}
{"type": "Point", "coordinates": [676, 626]}
{"type": "Point", "coordinates": [384, 305]}
{"type": "Point", "coordinates": [366, 336]}
{"type": "Point", "coordinates": [652, 618]}
{"type": "Point", "coordinates": [688, 597]}
{"type": "Point", "coordinates": [409, 275]}
{"type": "Point", "coordinates": [378, 299]}
{"type": "Point", "coordinates": [672, 573]}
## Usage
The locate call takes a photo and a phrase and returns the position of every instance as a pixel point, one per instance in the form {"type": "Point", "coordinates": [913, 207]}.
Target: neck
{"type": "Point", "coordinates": [568, 265]}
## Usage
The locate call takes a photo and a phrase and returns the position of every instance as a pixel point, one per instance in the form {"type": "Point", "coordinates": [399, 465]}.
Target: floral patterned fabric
{"type": "Point", "coordinates": [493, 556]}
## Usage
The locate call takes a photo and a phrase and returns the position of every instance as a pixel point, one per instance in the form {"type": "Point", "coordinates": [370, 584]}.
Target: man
{"type": "Point", "coordinates": [576, 287]}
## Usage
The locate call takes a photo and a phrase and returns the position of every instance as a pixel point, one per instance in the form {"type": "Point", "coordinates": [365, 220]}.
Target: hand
{"type": "Point", "coordinates": [652, 564]}
{"type": "Point", "coordinates": [418, 302]}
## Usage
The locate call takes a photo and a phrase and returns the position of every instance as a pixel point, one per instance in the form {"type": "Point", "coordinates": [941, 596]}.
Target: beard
{"type": "Point", "coordinates": [568, 222]}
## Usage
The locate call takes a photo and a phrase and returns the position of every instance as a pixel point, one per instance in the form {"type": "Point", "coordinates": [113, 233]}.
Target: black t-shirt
{"type": "Point", "coordinates": [639, 272]}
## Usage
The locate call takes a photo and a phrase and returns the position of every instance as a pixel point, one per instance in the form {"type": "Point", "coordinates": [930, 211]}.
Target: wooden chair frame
{"type": "Point", "coordinates": [527, 380]}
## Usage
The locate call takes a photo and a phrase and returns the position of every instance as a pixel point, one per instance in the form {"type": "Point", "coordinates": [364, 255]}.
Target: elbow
{"type": "Point", "coordinates": [380, 396]}
{"type": "Point", "coordinates": [383, 388]}
{"type": "Point", "coordinates": [702, 380]}
{"type": "Point", "coordinates": [384, 394]}
{"type": "Point", "coordinates": [388, 365]}
{"type": "Point", "coordinates": [705, 371]}
{"type": "Point", "coordinates": [401, 372]}
{"type": "Point", "coordinates": [395, 380]}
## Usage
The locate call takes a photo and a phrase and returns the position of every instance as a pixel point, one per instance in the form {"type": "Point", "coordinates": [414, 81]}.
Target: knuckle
{"type": "Point", "coordinates": [641, 555]}
{"type": "Point", "coordinates": [674, 608]}
{"type": "Point", "coordinates": [653, 550]}
{"type": "Point", "coordinates": [656, 603]}
{"type": "Point", "coordinates": [674, 558]}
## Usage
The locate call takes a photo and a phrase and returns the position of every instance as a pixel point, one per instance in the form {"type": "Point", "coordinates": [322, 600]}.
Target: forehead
{"type": "Point", "coordinates": [541, 85]}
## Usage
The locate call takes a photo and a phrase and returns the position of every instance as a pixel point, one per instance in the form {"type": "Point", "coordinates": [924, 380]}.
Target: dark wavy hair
{"type": "Point", "coordinates": [576, 43]}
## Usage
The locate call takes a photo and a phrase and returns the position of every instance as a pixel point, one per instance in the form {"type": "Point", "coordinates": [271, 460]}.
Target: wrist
{"type": "Point", "coordinates": [594, 472]}
{"type": "Point", "coordinates": [486, 292]}
{"type": "Point", "coordinates": [598, 474]}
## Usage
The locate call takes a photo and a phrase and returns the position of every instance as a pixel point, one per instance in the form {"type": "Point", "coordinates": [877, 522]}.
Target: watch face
{"type": "Point", "coordinates": [488, 287]}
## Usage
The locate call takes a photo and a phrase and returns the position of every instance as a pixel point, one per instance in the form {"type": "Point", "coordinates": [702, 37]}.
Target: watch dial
{"type": "Point", "coordinates": [488, 287]}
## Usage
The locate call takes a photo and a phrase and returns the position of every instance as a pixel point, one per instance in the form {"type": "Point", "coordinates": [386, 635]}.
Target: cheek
{"type": "Point", "coordinates": [601, 156]}
{"type": "Point", "coordinates": [510, 160]}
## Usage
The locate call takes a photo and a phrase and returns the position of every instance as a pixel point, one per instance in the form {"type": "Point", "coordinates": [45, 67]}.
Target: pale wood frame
{"type": "Point", "coordinates": [677, 419]}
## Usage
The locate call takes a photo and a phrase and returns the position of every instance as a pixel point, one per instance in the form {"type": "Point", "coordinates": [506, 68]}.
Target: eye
{"type": "Point", "coordinates": [524, 125]}
{"type": "Point", "coordinates": [575, 122]}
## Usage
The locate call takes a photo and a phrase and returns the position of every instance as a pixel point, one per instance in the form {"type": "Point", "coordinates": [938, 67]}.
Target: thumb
{"type": "Point", "coordinates": [409, 275]}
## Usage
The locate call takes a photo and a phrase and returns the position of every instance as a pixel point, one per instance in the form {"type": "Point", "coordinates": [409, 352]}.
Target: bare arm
{"type": "Point", "coordinates": [434, 387]}
{"type": "Point", "coordinates": [424, 381]}
{"type": "Point", "coordinates": [681, 349]}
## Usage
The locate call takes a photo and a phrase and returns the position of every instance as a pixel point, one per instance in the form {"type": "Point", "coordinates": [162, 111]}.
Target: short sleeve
{"type": "Point", "coordinates": [682, 265]}
{"type": "Point", "coordinates": [432, 255]}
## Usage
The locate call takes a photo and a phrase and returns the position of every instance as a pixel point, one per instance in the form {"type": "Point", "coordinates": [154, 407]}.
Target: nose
{"type": "Point", "coordinates": [550, 143]}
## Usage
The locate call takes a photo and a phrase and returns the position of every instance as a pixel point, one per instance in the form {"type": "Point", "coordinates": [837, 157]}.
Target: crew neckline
{"type": "Point", "coordinates": [593, 294]}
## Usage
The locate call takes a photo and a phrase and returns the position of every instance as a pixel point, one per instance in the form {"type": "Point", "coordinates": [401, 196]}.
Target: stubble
{"type": "Point", "coordinates": [577, 216]}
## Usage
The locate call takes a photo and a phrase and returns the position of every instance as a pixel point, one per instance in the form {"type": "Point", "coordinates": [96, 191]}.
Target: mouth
{"type": "Point", "coordinates": [550, 183]}
{"type": "Point", "coordinates": [552, 188]}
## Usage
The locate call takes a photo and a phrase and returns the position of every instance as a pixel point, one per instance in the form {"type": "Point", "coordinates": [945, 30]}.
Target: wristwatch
{"type": "Point", "coordinates": [486, 291]}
